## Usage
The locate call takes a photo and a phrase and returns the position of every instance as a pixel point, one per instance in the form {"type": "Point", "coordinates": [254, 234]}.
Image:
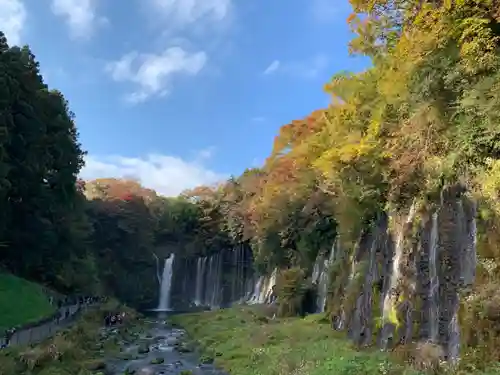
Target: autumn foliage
{"type": "Point", "coordinates": [424, 115]}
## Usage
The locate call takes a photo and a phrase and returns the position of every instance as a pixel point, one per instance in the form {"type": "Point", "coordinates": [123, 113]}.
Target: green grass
{"type": "Point", "coordinates": [21, 302]}
{"type": "Point", "coordinates": [243, 341]}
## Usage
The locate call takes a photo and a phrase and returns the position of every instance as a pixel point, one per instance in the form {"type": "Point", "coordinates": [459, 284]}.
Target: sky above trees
{"type": "Point", "coordinates": [180, 93]}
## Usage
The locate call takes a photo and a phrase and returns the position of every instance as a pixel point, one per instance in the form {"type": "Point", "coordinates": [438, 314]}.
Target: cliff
{"type": "Point", "coordinates": [403, 281]}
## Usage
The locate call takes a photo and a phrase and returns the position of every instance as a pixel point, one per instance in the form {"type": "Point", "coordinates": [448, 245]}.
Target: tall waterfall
{"type": "Point", "coordinates": [166, 283]}
{"type": "Point", "coordinates": [320, 277]}
{"type": "Point", "coordinates": [200, 275]}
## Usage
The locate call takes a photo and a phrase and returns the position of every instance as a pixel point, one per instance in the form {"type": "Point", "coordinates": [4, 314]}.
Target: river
{"type": "Point", "coordinates": [160, 350]}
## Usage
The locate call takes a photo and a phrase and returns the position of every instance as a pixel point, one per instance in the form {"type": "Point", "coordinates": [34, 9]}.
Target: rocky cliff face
{"type": "Point", "coordinates": [400, 283]}
{"type": "Point", "coordinates": [406, 275]}
{"type": "Point", "coordinates": [214, 281]}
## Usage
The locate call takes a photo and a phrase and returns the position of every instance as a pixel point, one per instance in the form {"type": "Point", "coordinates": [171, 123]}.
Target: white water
{"type": "Point", "coordinates": [200, 276]}
{"type": "Point", "coordinates": [263, 288]}
{"type": "Point", "coordinates": [324, 279]}
{"type": "Point", "coordinates": [320, 276]}
{"type": "Point", "coordinates": [166, 283]}
{"type": "Point", "coordinates": [390, 297]}
{"type": "Point", "coordinates": [434, 280]}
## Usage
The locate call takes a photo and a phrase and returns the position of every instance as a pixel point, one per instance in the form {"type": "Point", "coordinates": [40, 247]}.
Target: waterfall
{"type": "Point", "coordinates": [434, 281]}
{"type": "Point", "coordinates": [256, 290]}
{"type": "Point", "coordinates": [390, 298]}
{"type": "Point", "coordinates": [157, 268]}
{"type": "Point", "coordinates": [263, 288]}
{"type": "Point", "coordinates": [166, 283]}
{"type": "Point", "coordinates": [200, 273]}
{"type": "Point", "coordinates": [323, 279]}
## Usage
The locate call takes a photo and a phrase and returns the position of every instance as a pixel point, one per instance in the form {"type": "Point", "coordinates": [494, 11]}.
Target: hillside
{"type": "Point", "coordinates": [22, 302]}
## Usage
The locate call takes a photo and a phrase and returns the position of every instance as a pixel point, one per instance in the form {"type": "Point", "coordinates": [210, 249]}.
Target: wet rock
{"type": "Point", "coordinates": [206, 359]}
{"type": "Point", "coordinates": [157, 361]}
{"type": "Point", "coordinates": [97, 365]}
{"type": "Point", "coordinates": [143, 349]}
{"type": "Point", "coordinates": [127, 356]}
{"type": "Point", "coordinates": [145, 371]}
{"type": "Point", "coordinates": [184, 347]}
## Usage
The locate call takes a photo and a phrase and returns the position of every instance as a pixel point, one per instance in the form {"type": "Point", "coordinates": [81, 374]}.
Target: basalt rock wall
{"type": "Point", "coordinates": [403, 280]}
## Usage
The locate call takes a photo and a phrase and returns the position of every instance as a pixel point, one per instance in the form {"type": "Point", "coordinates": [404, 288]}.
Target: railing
{"type": "Point", "coordinates": [36, 332]}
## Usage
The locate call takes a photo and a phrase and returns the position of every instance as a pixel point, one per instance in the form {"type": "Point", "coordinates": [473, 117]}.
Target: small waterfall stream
{"type": "Point", "coordinates": [390, 298]}
{"type": "Point", "coordinates": [166, 283]}
{"type": "Point", "coordinates": [320, 277]}
{"type": "Point", "coordinates": [434, 281]}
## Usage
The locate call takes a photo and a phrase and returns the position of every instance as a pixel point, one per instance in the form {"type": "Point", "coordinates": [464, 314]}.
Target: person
{"type": "Point", "coordinates": [121, 317]}
{"type": "Point", "coordinates": [8, 335]}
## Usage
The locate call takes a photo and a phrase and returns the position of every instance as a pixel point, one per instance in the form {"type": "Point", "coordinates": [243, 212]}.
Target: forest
{"type": "Point", "coordinates": [423, 118]}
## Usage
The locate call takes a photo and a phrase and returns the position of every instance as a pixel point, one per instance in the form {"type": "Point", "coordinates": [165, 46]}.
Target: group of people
{"type": "Point", "coordinates": [8, 336]}
{"type": "Point", "coordinates": [114, 319]}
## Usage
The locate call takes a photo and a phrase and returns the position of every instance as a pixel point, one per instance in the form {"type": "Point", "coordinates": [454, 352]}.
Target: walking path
{"type": "Point", "coordinates": [38, 332]}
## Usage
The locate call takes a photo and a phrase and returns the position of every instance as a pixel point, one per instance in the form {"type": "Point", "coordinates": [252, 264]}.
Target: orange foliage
{"type": "Point", "coordinates": [113, 188]}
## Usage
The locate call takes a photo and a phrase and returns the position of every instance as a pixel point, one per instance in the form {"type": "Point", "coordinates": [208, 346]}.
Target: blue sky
{"type": "Point", "coordinates": [178, 93]}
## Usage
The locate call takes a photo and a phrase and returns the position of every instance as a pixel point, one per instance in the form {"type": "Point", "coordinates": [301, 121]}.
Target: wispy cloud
{"type": "Point", "coordinates": [80, 16]}
{"type": "Point", "coordinates": [178, 14]}
{"type": "Point", "coordinates": [310, 68]}
{"type": "Point", "coordinates": [272, 67]}
{"type": "Point", "coordinates": [12, 19]}
{"type": "Point", "coordinates": [306, 69]}
{"type": "Point", "coordinates": [168, 175]}
{"type": "Point", "coordinates": [152, 74]}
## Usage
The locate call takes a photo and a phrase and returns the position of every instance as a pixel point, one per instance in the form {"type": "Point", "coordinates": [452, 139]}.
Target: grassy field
{"type": "Point", "coordinates": [243, 341]}
{"type": "Point", "coordinates": [21, 302]}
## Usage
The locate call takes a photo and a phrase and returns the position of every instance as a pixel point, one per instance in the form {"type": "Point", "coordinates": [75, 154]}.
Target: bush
{"type": "Point", "coordinates": [291, 288]}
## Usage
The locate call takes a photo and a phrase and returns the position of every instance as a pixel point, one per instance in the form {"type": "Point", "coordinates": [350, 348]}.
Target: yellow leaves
{"type": "Point", "coordinates": [488, 182]}
{"type": "Point", "coordinates": [478, 44]}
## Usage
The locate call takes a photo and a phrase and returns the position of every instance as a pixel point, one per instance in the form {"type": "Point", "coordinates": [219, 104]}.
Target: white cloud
{"type": "Point", "coordinates": [306, 69]}
{"type": "Point", "coordinates": [152, 74]}
{"type": "Point", "coordinates": [272, 67]}
{"type": "Point", "coordinates": [80, 15]}
{"type": "Point", "coordinates": [181, 13]}
{"type": "Point", "coordinates": [310, 68]}
{"type": "Point", "coordinates": [167, 175]}
{"type": "Point", "coordinates": [12, 19]}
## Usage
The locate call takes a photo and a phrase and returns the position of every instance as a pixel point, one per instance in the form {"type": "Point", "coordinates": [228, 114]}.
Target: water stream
{"type": "Point", "coordinates": [166, 284]}
{"type": "Point", "coordinates": [158, 351]}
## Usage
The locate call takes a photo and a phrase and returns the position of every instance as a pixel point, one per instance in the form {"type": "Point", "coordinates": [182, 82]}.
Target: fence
{"type": "Point", "coordinates": [37, 332]}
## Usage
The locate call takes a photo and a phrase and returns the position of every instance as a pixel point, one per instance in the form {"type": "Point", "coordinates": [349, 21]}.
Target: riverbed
{"type": "Point", "coordinates": [160, 350]}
